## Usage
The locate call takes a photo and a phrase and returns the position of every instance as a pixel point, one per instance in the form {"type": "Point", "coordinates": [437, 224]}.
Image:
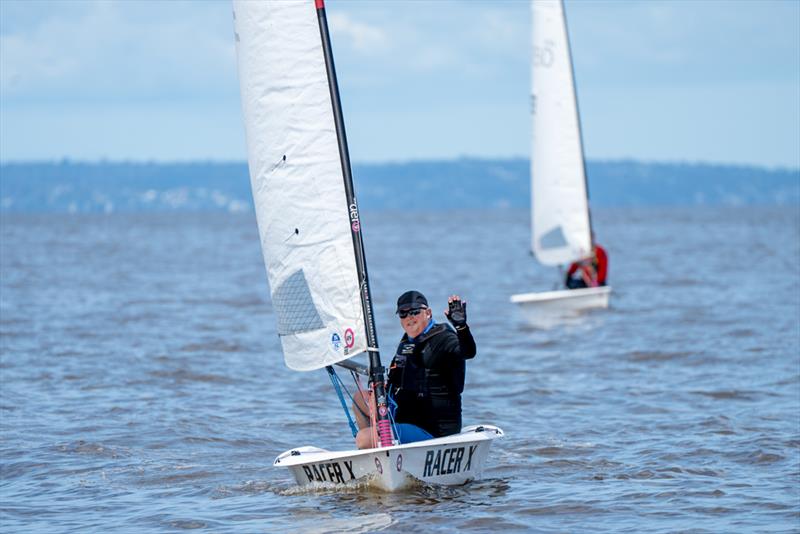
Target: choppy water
{"type": "Point", "coordinates": [143, 389]}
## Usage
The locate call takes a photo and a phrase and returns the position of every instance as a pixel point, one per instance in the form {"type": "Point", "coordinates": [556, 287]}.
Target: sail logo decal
{"type": "Point", "coordinates": [355, 223]}
{"type": "Point", "coordinates": [448, 461]}
{"type": "Point", "coordinates": [329, 472]}
{"type": "Point", "coordinates": [336, 341]}
{"type": "Point", "coordinates": [349, 338]}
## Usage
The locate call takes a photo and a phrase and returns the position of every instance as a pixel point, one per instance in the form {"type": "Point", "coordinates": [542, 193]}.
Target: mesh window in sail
{"type": "Point", "coordinates": [295, 307]}
{"type": "Point", "coordinates": [555, 238]}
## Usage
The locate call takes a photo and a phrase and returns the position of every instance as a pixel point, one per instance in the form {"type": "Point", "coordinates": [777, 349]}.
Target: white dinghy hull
{"type": "Point", "coordinates": [547, 306]}
{"type": "Point", "coordinates": [565, 300]}
{"type": "Point", "coordinates": [450, 461]}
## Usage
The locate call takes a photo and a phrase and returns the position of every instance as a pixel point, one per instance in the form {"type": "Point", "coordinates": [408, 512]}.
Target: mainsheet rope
{"type": "Point", "coordinates": [338, 385]}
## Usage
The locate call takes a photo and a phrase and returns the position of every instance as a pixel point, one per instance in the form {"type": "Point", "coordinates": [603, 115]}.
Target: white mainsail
{"type": "Point", "coordinates": [561, 231]}
{"type": "Point", "coordinates": [296, 173]}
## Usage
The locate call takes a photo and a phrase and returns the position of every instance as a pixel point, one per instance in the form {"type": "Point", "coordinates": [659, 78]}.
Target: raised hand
{"type": "Point", "coordinates": [456, 311]}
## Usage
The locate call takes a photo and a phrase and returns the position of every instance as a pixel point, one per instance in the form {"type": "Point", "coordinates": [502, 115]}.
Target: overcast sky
{"type": "Point", "coordinates": [697, 81]}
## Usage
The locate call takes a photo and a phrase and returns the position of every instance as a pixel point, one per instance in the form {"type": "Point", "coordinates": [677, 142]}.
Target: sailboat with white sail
{"type": "Point", "coordinates": [561, 226]}
{"type": "Point", "coordinates": [310, 231]}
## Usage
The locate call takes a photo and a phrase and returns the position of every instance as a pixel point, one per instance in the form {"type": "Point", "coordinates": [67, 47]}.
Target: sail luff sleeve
{"type": "Point", "coordinates": [344, 154]}
{"type": "Point", "coordinates": [377, 371]}
{"type": "Point", "coordinates": [578, 122]}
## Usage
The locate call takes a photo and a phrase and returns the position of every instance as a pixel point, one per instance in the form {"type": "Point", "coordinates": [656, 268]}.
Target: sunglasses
{"type": "Point", "coordinates": [405, 313]}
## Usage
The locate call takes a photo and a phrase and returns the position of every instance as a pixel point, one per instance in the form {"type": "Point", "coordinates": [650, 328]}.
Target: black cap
{"type": "Point", "coordinates": [411, 300]}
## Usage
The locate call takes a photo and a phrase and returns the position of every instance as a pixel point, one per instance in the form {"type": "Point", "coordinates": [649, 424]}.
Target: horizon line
{"type": "Point", "coordinates": [220, 161]}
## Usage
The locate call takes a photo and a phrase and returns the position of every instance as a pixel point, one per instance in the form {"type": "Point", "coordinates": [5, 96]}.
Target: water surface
{"type": "Point", "coordinates": [143, 387]}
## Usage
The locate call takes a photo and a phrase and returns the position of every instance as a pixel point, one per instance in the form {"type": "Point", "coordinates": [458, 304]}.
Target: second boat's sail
{"type": "Point", "coordinates": [561, 231]}
{"type": "Point", "coordinates": [296, 172]}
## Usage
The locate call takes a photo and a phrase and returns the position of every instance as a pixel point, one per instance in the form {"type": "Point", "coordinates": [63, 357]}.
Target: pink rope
{"type": "Point", "coordinates": [385, 432]}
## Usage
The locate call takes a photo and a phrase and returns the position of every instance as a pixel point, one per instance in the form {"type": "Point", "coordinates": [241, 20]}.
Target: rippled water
{"type": "Point", "coordinates": [143, 387]}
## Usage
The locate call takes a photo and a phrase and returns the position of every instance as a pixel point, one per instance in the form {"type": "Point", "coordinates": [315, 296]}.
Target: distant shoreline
{"type": "Point", "coordinates": [107, 186]}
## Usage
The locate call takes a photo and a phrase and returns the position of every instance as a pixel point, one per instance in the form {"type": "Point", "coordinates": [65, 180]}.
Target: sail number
{"type": "Point", "coordinates": [543, 56]}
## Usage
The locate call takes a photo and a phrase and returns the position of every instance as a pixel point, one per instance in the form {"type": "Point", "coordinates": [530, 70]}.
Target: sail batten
{"type": "Point", "coordinates": [296, 174]}
{"type": "Point", "coordinates": [561, 230]}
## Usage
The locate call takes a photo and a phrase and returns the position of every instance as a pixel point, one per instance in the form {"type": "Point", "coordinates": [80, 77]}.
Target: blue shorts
{"type": "Point", "coordinates": [407, 433]}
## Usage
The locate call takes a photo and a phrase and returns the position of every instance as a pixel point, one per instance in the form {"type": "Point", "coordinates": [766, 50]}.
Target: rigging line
{"type": "Point", "coordinates": [393, 402]}
{"type": "Point", "coordinates": [335, 380]}
{"type": "Point", "coordinates": [358, 388]}
{"type": "Point", "coordinates": [354, 374]}
{"type": "Point", "coordinates": [373, 420]}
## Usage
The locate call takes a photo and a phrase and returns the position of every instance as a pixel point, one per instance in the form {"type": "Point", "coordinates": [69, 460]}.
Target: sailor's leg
{"type": "Point", "coordinates": [361, 401]}
{"type": "Point", "coordinates": [364, 439]}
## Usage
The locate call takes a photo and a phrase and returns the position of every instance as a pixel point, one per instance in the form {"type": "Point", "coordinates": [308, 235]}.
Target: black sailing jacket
{"type": "Point", "coordinates": [426, 378]}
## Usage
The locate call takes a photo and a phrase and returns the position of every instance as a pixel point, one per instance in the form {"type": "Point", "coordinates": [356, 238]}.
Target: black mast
{"type": "Point", "coordinates": [376, 370]}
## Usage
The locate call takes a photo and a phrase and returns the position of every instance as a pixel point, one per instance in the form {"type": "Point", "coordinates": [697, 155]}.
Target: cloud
{"type": "Point", "coordinates": [505, 31]}
{"type": "Point", "coordinates": [362, 37]}
{"type": "Point", "coordinates": [439, 39]}
{"type": "Point", "coordinates": [120, 50]}
{"type": "Point", "coordinates": [658, 42]}
{"type": "Point", "coordinates": [158, 78]}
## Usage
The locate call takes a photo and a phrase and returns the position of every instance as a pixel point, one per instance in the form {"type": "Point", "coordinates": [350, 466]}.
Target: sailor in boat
{"type": "Point", "coordinates": [588, 272]}
{"type": "Point", "coordinates": [426, 376]}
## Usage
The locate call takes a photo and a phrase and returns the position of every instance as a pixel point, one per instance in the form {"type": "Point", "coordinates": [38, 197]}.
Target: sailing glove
{"type": "Point", "coordinates": [457, 314]}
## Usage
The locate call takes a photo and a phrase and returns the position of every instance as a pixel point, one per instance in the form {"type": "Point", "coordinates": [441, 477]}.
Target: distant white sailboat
{"type": "Point", "coordinates": [561, 230]}
{"type": "Point", "coordinates": [310, 232]}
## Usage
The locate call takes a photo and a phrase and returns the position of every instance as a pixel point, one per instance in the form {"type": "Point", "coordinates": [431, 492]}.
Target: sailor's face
{"type": "Point", "coordinates": [415, 321]}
